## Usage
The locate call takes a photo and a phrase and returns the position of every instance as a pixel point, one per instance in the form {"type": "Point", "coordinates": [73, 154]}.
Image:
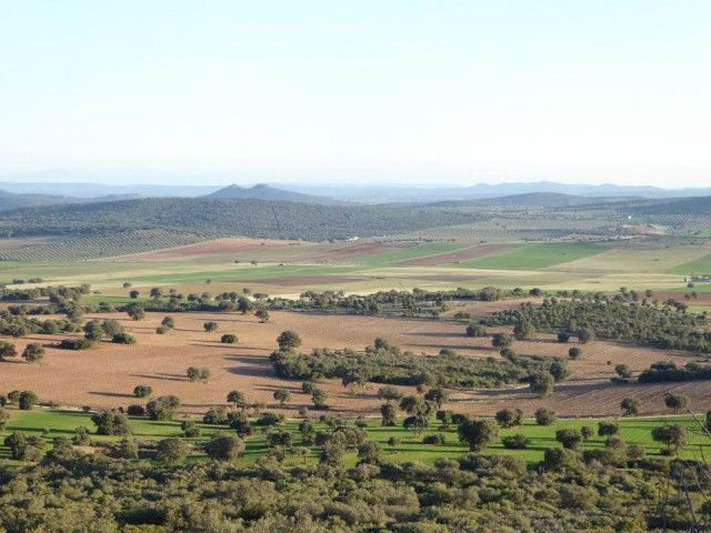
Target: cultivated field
{"type": "Point", "coordinates": [105, 376]}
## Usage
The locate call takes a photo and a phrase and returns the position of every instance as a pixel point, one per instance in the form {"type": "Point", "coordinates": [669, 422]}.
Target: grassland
{"type": "Point", "coordinates": [537, 256]}
{"type": "Point", "coordinates": [56, 423]}
{"type": "Point", "coordinates": [411, 252]}
{"type": "Point", "coordinates": [701, 265]}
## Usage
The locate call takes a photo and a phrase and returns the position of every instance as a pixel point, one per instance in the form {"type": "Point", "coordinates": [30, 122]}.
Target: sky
{"type": "Point", "coordinates": [382, 91]}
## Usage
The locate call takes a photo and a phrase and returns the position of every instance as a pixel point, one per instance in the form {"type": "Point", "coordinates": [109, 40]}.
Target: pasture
{"type": "Point", "coordinates": [55, 423]}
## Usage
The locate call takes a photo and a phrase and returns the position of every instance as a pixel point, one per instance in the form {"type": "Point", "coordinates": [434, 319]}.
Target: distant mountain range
{"type": "Point", "coordinates": [533, 199]}
{"type": "Point", "coordinates": [400, 193]}
{"type": "Point", "coordinates": [9, 201]}
{"type": "Point", "coordinates": [333, 194]}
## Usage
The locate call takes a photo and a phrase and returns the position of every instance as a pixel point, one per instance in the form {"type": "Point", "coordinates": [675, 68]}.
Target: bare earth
{"type": "Point", "coordinates": [218, 246]}
{"type": "Point", "coordinates": [105, 376]}
{"type": "Point", "coordinates": [348, 252]}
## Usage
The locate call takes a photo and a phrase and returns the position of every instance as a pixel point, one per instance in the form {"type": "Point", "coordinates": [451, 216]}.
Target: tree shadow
{"type": "Point", "coordinates": [111, 394]}
{"type": "Point", "coordinates": [438, 334]}
{"type": "Point", "coordinates": [162, 376]}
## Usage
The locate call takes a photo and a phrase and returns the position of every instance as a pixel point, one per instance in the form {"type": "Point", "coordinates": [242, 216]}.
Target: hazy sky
{"type": "Point", "coordinates": [361, 91]}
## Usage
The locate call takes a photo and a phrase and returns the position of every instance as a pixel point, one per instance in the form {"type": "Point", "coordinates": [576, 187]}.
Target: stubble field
{"type": "Point", "coordinates": [104, 376]}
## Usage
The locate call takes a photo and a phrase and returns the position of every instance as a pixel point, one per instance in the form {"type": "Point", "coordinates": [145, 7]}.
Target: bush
{"type": "Point", "coordinates": [516, 442]}
{"type": "Point", "coordinates": [142, 391]}
{"type": "Point", "coordinates": [282, 396]}
{"type": "Point", "coordinates": [123, 338]}
{"type": "Point", "coordinates": [224, 447]}
{"type": "Point", "coordinates": [173, 450]}
{"type": "Point", "coordinates": [438, 439]}
{"type": "Point", "coordinates": [629, 406]}
{"type": "Point", "coordinates": [574, 352]}
{"type": "Point", "coordinates": [162, 330]}
{"type": "Point", "coordinates": [508, 418]}
{"type": "Point", "coordinates": [288, 340]}
{"type": "Point", "coordinates": [111, 423]}
{"type": "Point", "coordinates": [75, 344]}
{"type": "Point", "coordinates": [27, 400]}
{"type": "Point", "coordinates": [476, 330]}
{"type": "Point", "coordinates": [569, 438]}
{"type": "Point", "coordinates": [502, 340]}
{"type": "Point", "coordinates": [163, 407]}
{"type": "Point", "coordinates": [210, 326]}
{"type": "Point", "coordinates": [33, 352]}
{"type": "Point", "coordinates": [478, 434]}
{"type": "Point", "coordinates": [587, 432]}
{"type": "Point", "coordinates": [228, 338]}
{"type": "Point", "coordinates": [198, 374]}
{"type": "Point", "coordinates": [541, 383]}
{"type": "Point", "coordinates": [563, 337]}
{"type": "Point", "coordinates": [190, 429]}
{"type": "Point", "coordinates": [269, 419]}
{"type": "Point", "coordinates": [545, 417]}
{"type": "Point", "coordinates": [136, 410]}
{"type": "Point", "coordinates": [607, 429]}
{"type": "Point", "coordinates": [215, 416]}
{"type": "Point", "coordinates": [676, 402]}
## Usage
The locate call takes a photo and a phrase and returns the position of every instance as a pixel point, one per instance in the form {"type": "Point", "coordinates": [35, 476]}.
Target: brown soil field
{"type": "Point", "coordinates": [215, 247]}
{"type": "Point", "coordinates": [18, 244]}
{"type": "Point", "coordinates": [458, 255]}
{"type": "Point", "coordinates": [703, 298]}
{"type": "Point", "coordinates": [105, 376]}
{"type": "Point", "coordinates": [348, 252]}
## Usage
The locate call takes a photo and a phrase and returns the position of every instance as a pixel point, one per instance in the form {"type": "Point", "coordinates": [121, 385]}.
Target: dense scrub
{"type": "Point", "coordinates": [251, 218]}
{"type": "Point", "coordinates": [668, 372]}
{"type": "Point", "coordinates": [417, 302]}
{"type": "Point", "coordinates": [661, 325]}
{"type": "Point", "coordinates": [475, 493]}
{"type": "Point", "coordinates": [387, 364]}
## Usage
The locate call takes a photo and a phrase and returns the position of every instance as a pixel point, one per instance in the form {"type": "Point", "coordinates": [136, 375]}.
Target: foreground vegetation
{"type": "Point", "coordinates": [373, 487]}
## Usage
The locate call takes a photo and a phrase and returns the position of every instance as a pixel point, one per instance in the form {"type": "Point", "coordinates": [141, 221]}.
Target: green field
{"type": "Point", "coordinates": [411, 448]}
{"type": "Point", "coordinates": [415, 252]}
{"type": "Point", "coordinates": [586, 266]}
{"type": "Point", "coordinates": [537, 256]}
{"type": "Point", "coordinates": [701, 265]}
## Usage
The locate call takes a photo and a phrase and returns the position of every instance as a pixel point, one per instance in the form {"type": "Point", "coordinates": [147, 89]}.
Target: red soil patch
{"type": "Point", "coordinates": [105, 376]}
{"type": "Point", "coordinates": [349, 252]}
{"type": "Point", "coordinates": [216, 247]}
{"type": "Point", "coordinates": [702, 298]}
{"type": "Point", "coordinates": [456, 256]}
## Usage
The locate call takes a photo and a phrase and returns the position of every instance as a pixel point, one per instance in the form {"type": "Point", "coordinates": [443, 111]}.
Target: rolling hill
{"type": "Point", "coordinates": [265, 192]}
{"type": "Point", "coordinates": [10, 201]}
{"type": "Point", "coordinates": [250, 218]}
{"type": "Point", "coordinates": [530, 200]}
{"type": "Point", "coordinates": [700, 205]}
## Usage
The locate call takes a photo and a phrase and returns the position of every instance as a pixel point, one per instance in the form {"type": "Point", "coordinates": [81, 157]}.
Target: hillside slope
{"type": "Point", "coordinates": [678, 206]}
{"type": "Point", "coordinates": [266, 192]}
{"type": "Point", "coordinates": [250, 218]}
{"type": "Point", "coordinates": [529, 200]}
{"type": "Point", "coordinates": [10, 201]}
